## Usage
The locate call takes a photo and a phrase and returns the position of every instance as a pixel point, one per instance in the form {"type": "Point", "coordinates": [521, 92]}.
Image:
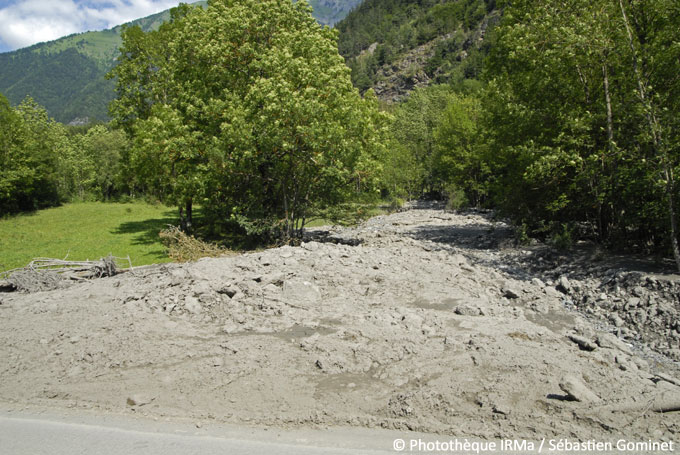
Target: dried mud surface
{"type": "Point", "coordinates": [434, 322]}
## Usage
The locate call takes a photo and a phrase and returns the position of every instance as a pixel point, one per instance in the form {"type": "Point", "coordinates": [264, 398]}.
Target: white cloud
{"type": "Point", "coordinates": [26, 22]}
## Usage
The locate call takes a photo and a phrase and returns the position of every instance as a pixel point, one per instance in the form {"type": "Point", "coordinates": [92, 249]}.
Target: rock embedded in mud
{"type": "Point", "coordinates": [609, 341]}
{"type": "Point", "coordinates": [467, 310]}
{"type": "Point", "coordinates": [538, 282]}
{"type": "Point", "coordinates": [510, 293]}
{"type": "Point", "coordinates": [564, 285]}
{"type": "Point", "coordinates": [192, 305]}
{"type": "Point", "coordinates": [616, 320]}
{"type": "Point", "coordinates": [576, 390]}
{"type": "Point", "coordinates": [583, 343]}
{"type": "Point", "coordinates": [138, 400]}
{"type": "Point", "coordinates": [301, 291]}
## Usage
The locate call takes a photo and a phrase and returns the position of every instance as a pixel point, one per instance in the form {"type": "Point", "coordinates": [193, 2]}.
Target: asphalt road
{"type": "Point", "coordinates": [34, 436]}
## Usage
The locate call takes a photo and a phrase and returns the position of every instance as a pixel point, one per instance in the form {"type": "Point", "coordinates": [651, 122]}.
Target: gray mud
{"type": "Point", "coordinates": [422, 320]}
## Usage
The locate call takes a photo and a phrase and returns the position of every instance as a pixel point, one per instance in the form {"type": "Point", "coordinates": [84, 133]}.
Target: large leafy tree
{"type": "Point", "coordinates": [247, 107]}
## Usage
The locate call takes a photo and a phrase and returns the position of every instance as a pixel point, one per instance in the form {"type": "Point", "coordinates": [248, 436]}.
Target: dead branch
{"type": "Point", "coordinates": [661, 403]}
{"type": "Point", "coordinates": [43, 274]}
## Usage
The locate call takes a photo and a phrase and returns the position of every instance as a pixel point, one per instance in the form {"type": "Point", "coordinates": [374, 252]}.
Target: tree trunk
{"type": "Point", "coordinates": [608, 99]}
{"type": "Point", "coordinates": [189, 216]}
{"type": "Point", "coordinates": [182, 220]}
{"type": "Point", "coordinates": [604, 226]}
{"type": "Point", "coordinates": [285, 210]}
{"type": "Point", "coordinates": [657, 140]}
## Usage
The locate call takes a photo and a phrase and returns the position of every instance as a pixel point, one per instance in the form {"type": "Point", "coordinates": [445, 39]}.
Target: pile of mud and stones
{"type": "Point", "coordinates": [422, 320]}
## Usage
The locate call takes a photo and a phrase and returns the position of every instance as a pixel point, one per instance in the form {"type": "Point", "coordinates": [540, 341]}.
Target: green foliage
{"type": "Point", "coordinates": [67, 76]}
{"type": "Point", "coordinates": [43, 163]}
{"type": "Point", "coordinates": [562, 239]}
{"type": "Point", "coordinates": [396, 27]}
{"type": "Point", "coordinates": [247, 107]}
{"type": "Point", "coordinates": [412, 165]}
{"type": "Point", "coordinates": [582, 110]}
{"type": "Point", "coordinates": [455, 197]}
{"type": "Point", "coordinates": [461, 150]}
{"type": "Point", "coordinates": [522, 235]}
{"type": "Point", "coordinates": [92, 167]}
{"type": "Point", "coordinates": [438, 147]}
{"type": "Point", "coordinates": [30, 146]}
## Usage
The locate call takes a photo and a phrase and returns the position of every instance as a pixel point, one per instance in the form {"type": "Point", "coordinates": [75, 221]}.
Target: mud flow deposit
{"type": "Point", "coordinates": [422, 320]}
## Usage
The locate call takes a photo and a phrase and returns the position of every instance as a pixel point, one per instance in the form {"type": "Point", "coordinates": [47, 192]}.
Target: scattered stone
{"type": "Point", "coordinates": [537, 282]}
{"type": "Point", "coordinates": [576, 390]}
{"type": "Point", "coordinates": [301, 291]}
{"type": "Point", "coordinates": [668, 378]}
{"type": "Point", "coordinates": [499, 408]}
{"type": "Point", "coordinates": [310, 246]}
{"type": "Point", "coordinates": [552, 292]}
{"type": "Point", "coordinates": [638, 291]}
{"type": "Point", "coordinates": [609, 341]}
{"type": "Point", "coordinates": [467, 310]}
{"type": "Point", "coordinates": [583, 343]}
{"type": "Point", "coordinates": [277, 332]}
{"type": "Point", "coordinates": [624, 363]}
{"type": "Point", "coordinates": [192, 305]}
{"type": "Point", "coordinates": [510, 293]}
{"type": "Point", "coordinates": [616, 320]}
{"type": "Point", "coordinates": [139, 400]}
{"type": "Point", "coordinates": [563, 285]}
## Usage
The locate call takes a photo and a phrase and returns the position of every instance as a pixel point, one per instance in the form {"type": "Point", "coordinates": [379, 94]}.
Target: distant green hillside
{"type": "Point", "coordinates": [67, 75]}
{"type": "Point", "coordinates": [328, 12]}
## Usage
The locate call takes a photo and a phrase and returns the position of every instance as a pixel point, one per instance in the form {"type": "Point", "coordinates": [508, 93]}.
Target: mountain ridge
{"type": "Point", "coordinates": [66, 75]}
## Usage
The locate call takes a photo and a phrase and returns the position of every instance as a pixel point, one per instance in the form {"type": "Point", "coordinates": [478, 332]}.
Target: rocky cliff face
{"type": "Point", "coordinates": [419, 67]}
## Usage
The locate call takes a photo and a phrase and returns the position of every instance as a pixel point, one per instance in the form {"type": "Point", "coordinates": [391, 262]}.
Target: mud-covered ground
{"type": "Point", "coordinates": [434, 322]}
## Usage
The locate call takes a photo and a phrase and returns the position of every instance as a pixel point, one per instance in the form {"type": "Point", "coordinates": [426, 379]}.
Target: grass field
{"type": "Point", "coordinates": [88, 230]}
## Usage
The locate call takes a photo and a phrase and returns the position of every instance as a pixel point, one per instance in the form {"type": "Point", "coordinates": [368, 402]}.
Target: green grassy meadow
{"type": "Point", "coordinates": [88, 230]}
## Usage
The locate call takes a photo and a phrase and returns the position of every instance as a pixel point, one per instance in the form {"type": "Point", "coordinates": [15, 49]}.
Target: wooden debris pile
{"type": "Point", "coordinates": [44, 274]}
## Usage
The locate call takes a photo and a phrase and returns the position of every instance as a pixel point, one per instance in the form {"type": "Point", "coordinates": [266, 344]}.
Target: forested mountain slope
{"type": "Point", "coordinates": [395, 46]}
{"type": "Point", "coordinates": [66, 76]}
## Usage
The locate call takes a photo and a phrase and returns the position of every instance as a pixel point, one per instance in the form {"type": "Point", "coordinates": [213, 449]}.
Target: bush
{"type": "Point", "coordinates": [455, 198]}
{"type": "Point", "coordinates": [562, 238]}
{"type": "Point", "coordinates": [395, 204]}
{"type": "Point", "coordinates": [522, 235]}
{"type": "Point", "coordinates": [187, 248]}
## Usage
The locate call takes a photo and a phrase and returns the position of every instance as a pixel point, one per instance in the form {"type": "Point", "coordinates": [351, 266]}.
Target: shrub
{"type": "Point", "coordinates": [187, 248]}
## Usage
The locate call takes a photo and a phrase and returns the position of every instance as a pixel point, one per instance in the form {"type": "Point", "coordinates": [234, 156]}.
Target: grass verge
{"type": "Point", "coordinates": [87, 230]}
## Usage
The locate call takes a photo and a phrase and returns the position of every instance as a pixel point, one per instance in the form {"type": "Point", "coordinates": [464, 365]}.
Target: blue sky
{"type": "Point", "coordinates": [26, 22]}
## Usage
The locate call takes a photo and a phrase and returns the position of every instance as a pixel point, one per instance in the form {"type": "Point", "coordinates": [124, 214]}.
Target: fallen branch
{"type": "Point", "coordinates": [43, 274]}
{"type": "Point", "coordinates": [661, 403]}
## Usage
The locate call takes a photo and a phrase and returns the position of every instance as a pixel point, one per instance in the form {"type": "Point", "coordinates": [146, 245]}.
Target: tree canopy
{"type": "Point", "coordinates": [583, 111]}
{"type": "Point", "coordinates": [246, 107]}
